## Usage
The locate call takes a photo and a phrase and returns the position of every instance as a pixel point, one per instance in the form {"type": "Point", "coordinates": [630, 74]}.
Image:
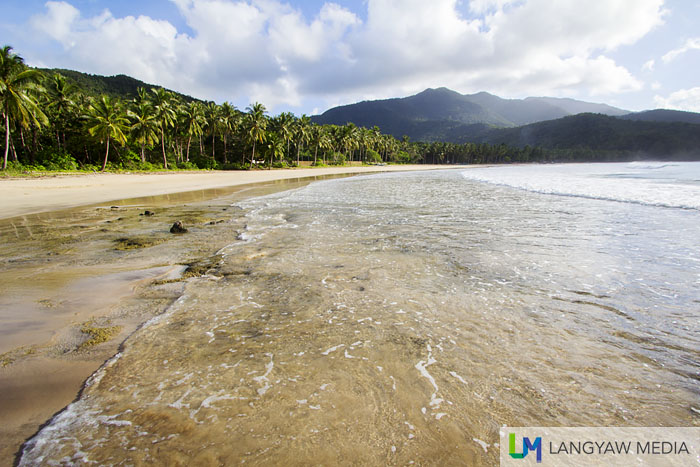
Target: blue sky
{"type": "Point", "coordinates": [307, 56]}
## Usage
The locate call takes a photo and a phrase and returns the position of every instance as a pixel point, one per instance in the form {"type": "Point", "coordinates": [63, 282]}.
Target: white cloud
{"type": "Point", "coordinates": [683, 99]}
{"type": "Point", "coordinates": [143, 47]}
{"type": "Point", "coordinates": [58, 22]}
{"type": "Point", "coordinates": [269, 51]}
{"type": "Point", "coordinates": [649, 65]}
{"type": "Point", "coordinates": [690, 44]}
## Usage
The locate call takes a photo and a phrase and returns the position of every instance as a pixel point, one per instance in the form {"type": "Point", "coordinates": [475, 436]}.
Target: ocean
{"type": "Point", "coordinates": [403, 318]}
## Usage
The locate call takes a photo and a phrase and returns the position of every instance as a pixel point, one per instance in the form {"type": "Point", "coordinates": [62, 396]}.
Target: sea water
{"type": "Point", "coordinates": [402, 318]}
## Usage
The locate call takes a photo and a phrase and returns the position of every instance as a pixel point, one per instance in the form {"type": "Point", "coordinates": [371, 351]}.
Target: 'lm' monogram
{"type": "Point", "coordinates": [527, 447]}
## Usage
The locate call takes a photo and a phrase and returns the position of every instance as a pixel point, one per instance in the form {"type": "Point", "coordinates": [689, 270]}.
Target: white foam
{"type": "Point", "coordinates": [483, 444]}
{"type": "Point", "coordinates": [263, 378]}
{"type": "Point", "coordinates": [461, 380]}
{"type": "Point", "coordinates": [421, 366]}
{"type": "Point", "coordinates": [333, 349]}
{"type": "Point", "coordinates": [656, 184]}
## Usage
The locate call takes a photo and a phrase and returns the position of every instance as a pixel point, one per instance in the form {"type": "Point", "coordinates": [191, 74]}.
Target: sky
{"type": "Point", "coordinates": [306, 56]}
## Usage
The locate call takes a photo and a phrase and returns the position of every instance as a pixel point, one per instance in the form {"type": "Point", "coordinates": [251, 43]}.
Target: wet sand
{"type": "Point", "coordinates": [62, 270]}
{"type": "Point", "coordinates": [34, 195]}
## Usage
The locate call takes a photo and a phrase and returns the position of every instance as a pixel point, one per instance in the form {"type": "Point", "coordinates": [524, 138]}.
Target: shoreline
{"type": "Point", "coordinates": [43, 369]}
{"type": "Point", "coordinates": [39, 195]}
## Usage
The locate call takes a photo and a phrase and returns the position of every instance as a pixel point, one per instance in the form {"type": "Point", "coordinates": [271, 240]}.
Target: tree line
{"type": "Point", "coordinates": [50, 123]}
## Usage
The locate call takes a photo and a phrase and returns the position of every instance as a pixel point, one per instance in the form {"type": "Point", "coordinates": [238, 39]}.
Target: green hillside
{"type": "Point", "coordinates": [445, 115]}
{"type": "Point", "coordinates": [601, 134]}
{"type": "Point", "coordinates": [119, 86]}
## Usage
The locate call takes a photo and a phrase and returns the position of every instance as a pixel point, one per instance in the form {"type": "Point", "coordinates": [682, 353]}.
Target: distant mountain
{"type": "Point", "coordinates": [663, 115]}
{"type": "Point", "coordinates": [595, 133]}
{"type": "Point", "coordinates": [432, 112]}
{"type": "Point", "coordinates": [573, 107]}
{"type": "Point", "coordinates": [445, 115]}
{"type": "Point", "coordinates": [121, 86]}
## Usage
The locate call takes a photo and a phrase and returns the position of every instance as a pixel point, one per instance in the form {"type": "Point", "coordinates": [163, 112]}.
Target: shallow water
{"type": "Point", "coordinates": [404, 318]}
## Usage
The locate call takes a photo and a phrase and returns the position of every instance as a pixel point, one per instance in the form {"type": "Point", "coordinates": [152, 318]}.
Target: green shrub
{"type": "Point", "coordinates": [372, 157]}
{"type": "Point", "coordinates": [234, 166]}
{"type": "Point", "coordinates": [51, 160]}
{"type": "Point", "coordinates": [337, 158]}
{"type": "Point", "coordinates": [187, 165]}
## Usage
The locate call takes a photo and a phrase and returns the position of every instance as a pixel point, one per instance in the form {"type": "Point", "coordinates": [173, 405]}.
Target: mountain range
{"type": "Point", "coordinates": [445, 115]}
{"type": "Point", "coordinates": [448, 116]}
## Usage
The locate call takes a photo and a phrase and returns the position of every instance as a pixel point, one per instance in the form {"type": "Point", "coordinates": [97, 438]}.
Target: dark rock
{"type": "Point", "coordinates": [147, 213]}
{"type": "Point", "coordinates": [178, 228]}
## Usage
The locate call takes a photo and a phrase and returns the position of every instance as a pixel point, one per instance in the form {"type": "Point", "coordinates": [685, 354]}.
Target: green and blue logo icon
{"type": "Point", "coordinates": [527, 447]}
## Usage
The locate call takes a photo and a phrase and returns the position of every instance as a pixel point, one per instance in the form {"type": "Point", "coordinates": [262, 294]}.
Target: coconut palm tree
{"type": "Point", "coordinates": [320, 139]}
{"type": "Point", "coordinates": [60, 100]}
{"type": "Point", "coordinates": [144, 126]}
{"type": "Point", "coordinates": [349, 140]}
{"type": "Point", "coordinates": [229, 124]}
{"type": "Point", "coordinates": [107, 121]}
{"type": "Point", "coordinates": [275, 146]}
{"type": "Point", "coordinates": [162, 102]}
{"type": "Point", "coordinates": [302, 132]}
{"type": "Point", "coordinates": [256, 126]}
{"type": "Point", "coordinates": [191, 118]}
{"type": "Point", "coordinates": [19, 107]}
{"type": "Point", "coordinates": [284, 127]}
{"type": "Point", "coordinates": [212, 116]}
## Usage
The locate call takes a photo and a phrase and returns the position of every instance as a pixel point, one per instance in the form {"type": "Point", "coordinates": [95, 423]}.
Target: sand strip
{"type": "Point", "coordinates": [34, 195]}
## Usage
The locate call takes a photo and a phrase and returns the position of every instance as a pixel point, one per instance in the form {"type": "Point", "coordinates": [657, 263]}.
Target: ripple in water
{"type": "Point", "coordinates": [404, 318]}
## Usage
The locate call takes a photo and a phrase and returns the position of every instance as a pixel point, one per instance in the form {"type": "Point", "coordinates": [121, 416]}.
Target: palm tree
{"type": "Point", "coordinates": [303, 133]}
{"type": "Point", "coordinates": [144, 126]}
{"type": "Point", "coordinates": [16, 86]}
{"type": "Point", "coordinates": [162, 101]}
{"type": "Point", "coordinates": [229, 123]}
{"type": "Point", "coordinates": [284, 127]}
{"type": "Point", "coordinates": [320, 140]}
{"type": "Point", "coordinates": [214, 124]}
{"type": "Point", "coordinates": [107, 122]}
{"type": "Point", "coordinates": [256, 125]}
{"type": "Point", "coordinates": [192, 120]}
{"type": "Point", "coordinates": [275, 146]}
{"type": "Point", "coordinates": [60, 94]}
{"type": "Point", "coordinates": [349, 140]}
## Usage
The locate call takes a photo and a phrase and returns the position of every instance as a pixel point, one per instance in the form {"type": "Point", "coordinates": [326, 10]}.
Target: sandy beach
{"type": "Point", "coordinates": [64, 268]}
{"type": "Point", "coordinates": [35, 195]}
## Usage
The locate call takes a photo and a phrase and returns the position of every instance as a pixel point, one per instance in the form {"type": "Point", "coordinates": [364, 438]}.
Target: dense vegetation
{"type": "Point", "coordinates": [81, 122]}
{"type": "Point", "coordinates": [593, 137]}
{"type": "Point", "coordinates": [602, 133]}
{"type": "Point", "coordinates": [65, 120]}
{"type": "Point", "coordinates": [445, 115]}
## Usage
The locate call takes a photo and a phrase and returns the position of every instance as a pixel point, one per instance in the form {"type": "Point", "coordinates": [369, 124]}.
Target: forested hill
{"type": "Point", "coordinates": [445, 115]}
{"type": "Point", "coordinates": [588, 136]}
{"type": "Point", "coordinates": [120, 86]}
{"type": "Point", "coordinates": [553, 124]}
{"type": "Point", "coordinates": [664, 115]}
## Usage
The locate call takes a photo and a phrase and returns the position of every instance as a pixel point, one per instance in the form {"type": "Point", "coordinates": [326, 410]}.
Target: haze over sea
{"type": "Point", "coordinates": [406, 317]}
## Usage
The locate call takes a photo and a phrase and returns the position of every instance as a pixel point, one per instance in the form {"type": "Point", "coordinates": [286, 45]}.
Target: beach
{"type": "Point", "coordinates": [393, 318]}
{"type": "Point", "coordinates": [48, 193]}
{"type": "Point", "coordinates": [61, 271]}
